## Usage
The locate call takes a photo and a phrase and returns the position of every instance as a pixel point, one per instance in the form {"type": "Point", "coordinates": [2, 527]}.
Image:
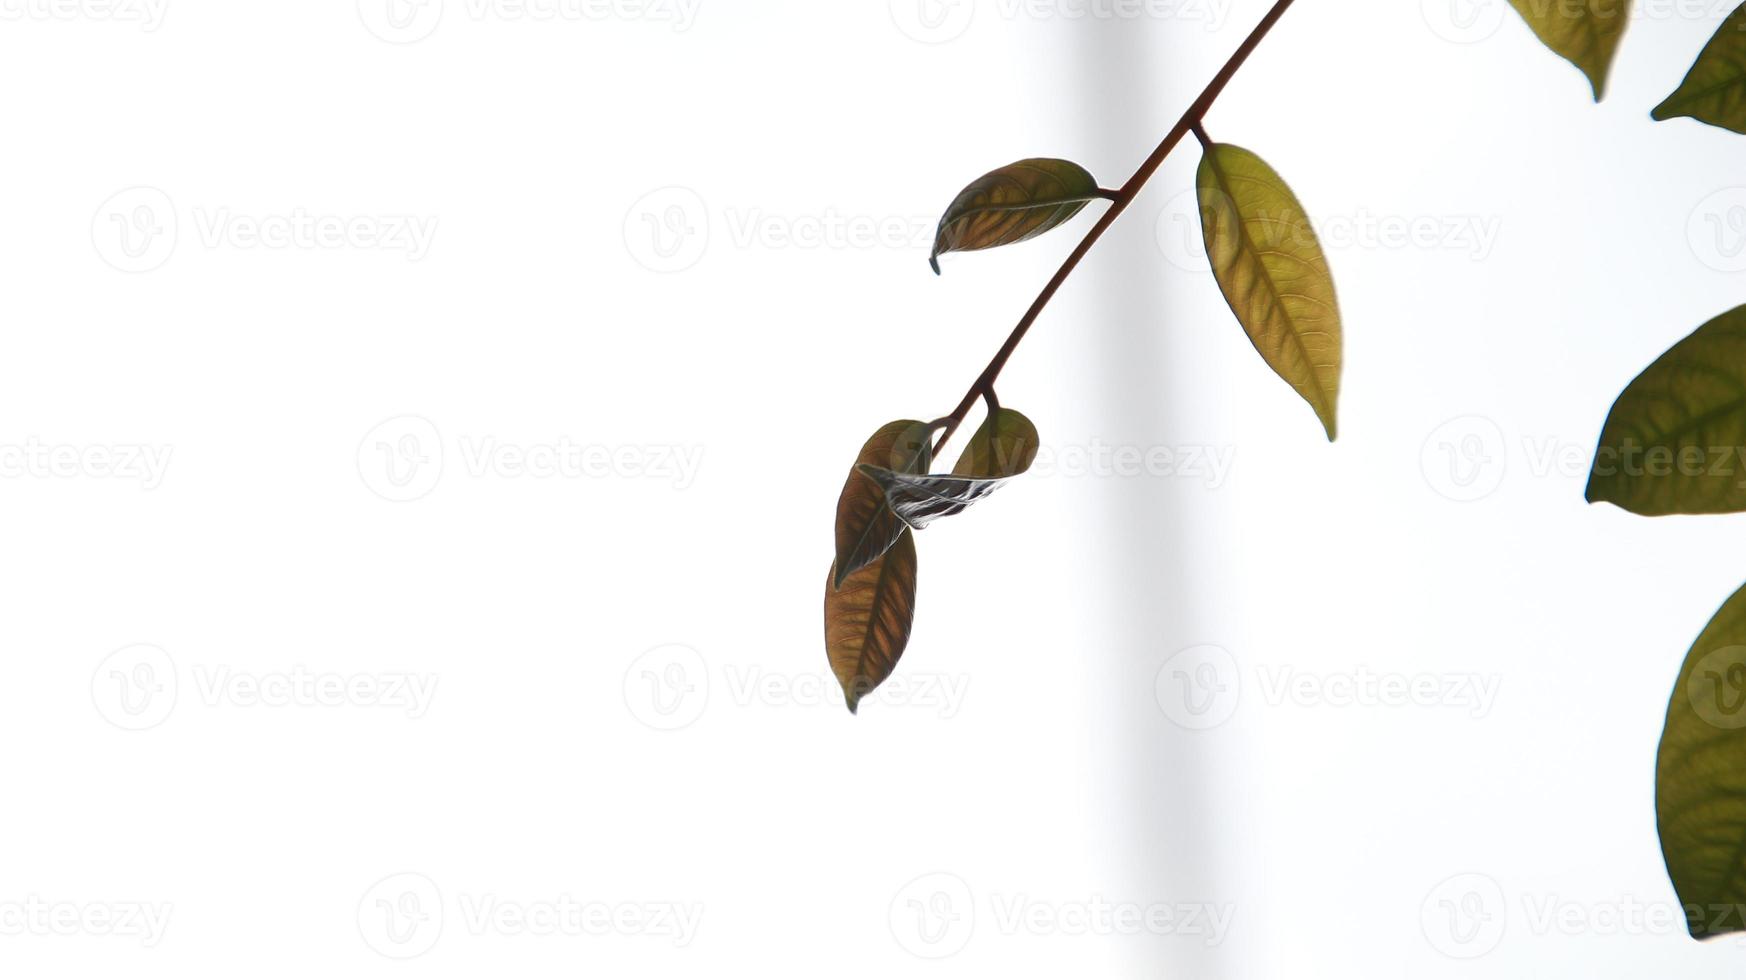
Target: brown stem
{"type": "Point", "coordinates": [1190, 121]}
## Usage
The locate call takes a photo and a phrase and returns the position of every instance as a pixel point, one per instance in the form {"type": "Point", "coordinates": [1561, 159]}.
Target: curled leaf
{"type": "Point", "coordinates": [921, 500]}
{"type": "Point", "coordinates": [1005, 445]}
{"type": "Point", "coordinates": [1585, 33]}
{"type": "Point", "coordinates": [1274, 275]}
{"type": "Point", "coordinates": [1714, 91]}
{"type": "Point", "coordinates": [865, 526]}
{"type": "Point", "coordinates": [1700, 777]}
{"type": "Point", "coordinates": [1675, 441]}
{"type": "Point", "coordinates": [867, 619]}
{"type": "Point", "coordinates": [1019, 201]}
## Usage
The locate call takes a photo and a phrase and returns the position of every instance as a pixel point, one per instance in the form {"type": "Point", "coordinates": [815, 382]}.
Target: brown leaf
{"type": "Point", "coordinates": [868, 617]}
{"type": "Point", "coordinates": [1019, 201]}
{"type": "Point", "coordinates": [865, 526]}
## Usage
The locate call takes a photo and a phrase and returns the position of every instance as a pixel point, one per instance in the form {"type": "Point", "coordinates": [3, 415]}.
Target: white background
{"type": "Point", "coordinates": [664, 233]}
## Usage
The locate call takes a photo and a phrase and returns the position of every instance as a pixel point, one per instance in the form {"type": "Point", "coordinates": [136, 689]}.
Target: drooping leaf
{"type": "Point", "coordinates": [1714, 91]}
{"type": "Point", "coordinates": [1585, 33]}
{"type": "Point", "coordinates": [1005, 445]}
{"type": "Point", "coordinates": [868, 617]}
{"type": "Point", "coordinates": [1675, 441]}
{"type": "Point", "coordinates": [1019, 201]}
{"type": "Point", "coordinates": [865, 526]}
{"type": "Point", "coordinates": [1270, 265]}
{"type": "Point", "coordinates": [1700, 777]}
{"type": "Point", "coordinates": [921, 500]}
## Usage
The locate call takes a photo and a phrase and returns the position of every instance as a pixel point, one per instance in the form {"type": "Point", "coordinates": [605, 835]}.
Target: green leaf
{"type": "Point", "coordinates": [921, 500]}
{"type": "Point", "coordinates": [1700, 777]}
{"type": "Point", "coordinates": [1019, 201]}
{"type": "Point", "coordinates": [1714, 91]}
{"type": "Point", "coordinates": [1675, 440]}
{"type": "Point", "coordinates": [1273, 273]}
{"type": "Point", "coordinates": [865, 526]}
{"type": "Point", "coordinates": [1005, 445]}
{"type": "Point", "coordinates": [867, 619]}
{"type": "Point", "coordinates": [1585, 33]}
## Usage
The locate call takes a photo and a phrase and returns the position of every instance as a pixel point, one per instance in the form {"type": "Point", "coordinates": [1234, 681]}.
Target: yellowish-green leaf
{"type": "Point", "coordinates": [1273, 273]}
{"type": "Point", "coordinates": [866, 527]}
{"type": "Point", "coordinates": [1715, 90]}
{"type": "Point", "coordinates": [1585, 33]}
{"type": "Point", "coordinates": [1005, 445]}
{"type": "Point", "coordinates": [1675, 441]}
{"type": "Point", "coordinates": [867, 619]}
{"type": "Point", "coordinates": [1019, 201]}
{"type": "Point", "coordinates": [1700, 777]}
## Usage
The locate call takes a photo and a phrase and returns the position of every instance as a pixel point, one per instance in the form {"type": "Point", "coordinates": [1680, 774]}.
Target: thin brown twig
{"type": "Point", "coordinates": [1191, 120]}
